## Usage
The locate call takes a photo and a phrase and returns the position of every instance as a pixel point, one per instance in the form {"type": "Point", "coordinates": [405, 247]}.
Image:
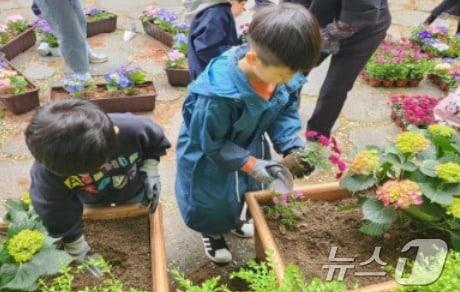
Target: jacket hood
{"type": "Point", "coordinates": [193, 7]}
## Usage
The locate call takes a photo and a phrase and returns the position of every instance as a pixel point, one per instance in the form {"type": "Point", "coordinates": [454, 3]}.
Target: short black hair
{"type": "Point", "coordinates": [72, 136]}
{"type": "Point", "coordinates": [286, 34]}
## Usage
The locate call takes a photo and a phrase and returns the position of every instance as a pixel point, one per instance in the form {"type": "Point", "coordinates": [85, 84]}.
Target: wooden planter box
{"type": "Point", "coordinates": [133, 103]}
{"type": "Point", "coordinates": [23, 102]}
{"type": "Point", "coordinates": [264, 240]}
{"type": "Point", "coordinates": [157, 33]}
{"type": "Point", "coordinates": [160, 282]}
{"type": "Point", "coordinates": [178, 77]}
{"type": "Point", "coordinates": [19, 44]}
{"type": "Point", "coordinates": [101, 26]}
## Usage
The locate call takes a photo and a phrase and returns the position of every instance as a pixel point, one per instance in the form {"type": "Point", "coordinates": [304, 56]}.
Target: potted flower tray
{"type": "Point", "coordinates": [143, 100]}
{"type": "Point", "coordinates": [265, 243]}
{"type": "Point", "coordinates": [95, 27]}
{"type": "Point", "coordinates": [178, 77]}
{"type": "Point", "coordinates": [21, 102]}
{"type": "Point", "coordinates": [439, 82]}
{"type": "Point", "coordinates": [157, 33]}
{"type": "Point", "coordinates": [19, 44]}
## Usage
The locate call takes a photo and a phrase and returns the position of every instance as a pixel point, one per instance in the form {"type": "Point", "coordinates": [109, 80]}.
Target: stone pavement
{"type": "Point", "coordinates": [364, 120]}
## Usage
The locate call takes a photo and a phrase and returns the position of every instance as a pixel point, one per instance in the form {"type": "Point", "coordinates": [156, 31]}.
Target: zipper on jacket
{"type": "Point", "coordinates": [237, 187]}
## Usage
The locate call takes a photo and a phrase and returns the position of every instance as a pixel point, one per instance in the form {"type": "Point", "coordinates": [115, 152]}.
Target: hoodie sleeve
{"type": "Point", "coordinates": [214, 33]}
{"type": "Point", "coordinates": [209, 127]}
{"type": "Point", "coordinates": [284, 131]}
{"type": "Point", "coordinates": [151, 138]}
{"type": "Point", "coordinates": [59, 209]}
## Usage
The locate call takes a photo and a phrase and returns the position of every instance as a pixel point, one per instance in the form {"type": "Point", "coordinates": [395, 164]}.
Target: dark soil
{"type": "Point", "coordinates": [125, 244]}
{"type": "Point", "coordinates": [326, 226]}
{"type": "Point", "coordinates": [210, 270]}
{"type": "Point", "coordinates": [100, 92]}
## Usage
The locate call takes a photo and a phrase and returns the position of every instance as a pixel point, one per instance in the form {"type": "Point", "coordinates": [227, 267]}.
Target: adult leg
{"type": "Point", "coordinates": [65, 21]}
{"type": "Point", "coordinates": [343, 72]}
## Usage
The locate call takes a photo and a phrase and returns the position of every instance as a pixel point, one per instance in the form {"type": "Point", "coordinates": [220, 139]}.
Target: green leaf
{"type": "Point", "coordinates": [25, 277]}
{"type": "Point", "coordinates": [356, 183]}
{"type": "Point", "coordinates": [375, 212]}
{"type": "Point", "coordinates": [374, 229]}
{"type": "Point", "coordinates": [48, 242]}
{"type": "Point", "coordinates": [436, 195]}
{"type": "Point", "coordinates": [392, 158]}
{"type": "Point", "coordinates": [409, 166]}
{"type": "Point", "coordinates": [455, 240]}
{"type": "Point", "coordinates": [428, 153]}
{"type": "Point", "coordinates": [51, 261]}
{"type": "Point", "coordinates": [428, 166]}
{"type": "Point", "coordinates": [426, 212]}
{"type": "Point", "coordinates": [7, 272]}
{"type": "Point", "coordinates": [4, 255]}
{"type": "Point", "coordinates": [138, 77]}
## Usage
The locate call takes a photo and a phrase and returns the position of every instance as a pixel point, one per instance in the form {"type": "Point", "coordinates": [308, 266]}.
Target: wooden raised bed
{"type": "Point", "coordinates": [23, 102]}
{"type": "Point", "coordinates": [129, 103]}
{"type": "Point", "coordinates": [157, 33]}
{"type": "Point", "coordinates": [19, 44]}
{"type": "Point", "coordinates": [160, 282]}
{"type": "Point", "coordinates": [96, 27]}
{"type": "Point", "coordinates": [178, 77]}
{"type": "Point", "coordinates": [439, 82]}
{"type": "Point", "coordinates": [264, 240]}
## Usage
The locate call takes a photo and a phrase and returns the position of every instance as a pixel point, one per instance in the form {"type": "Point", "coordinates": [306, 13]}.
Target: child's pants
{"type": "Point", "coordinates": [68, 22]}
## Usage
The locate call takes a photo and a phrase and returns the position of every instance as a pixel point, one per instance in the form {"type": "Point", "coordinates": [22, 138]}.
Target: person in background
{"type": "Point", "coordinates": [212, 31]}
{"type": "Point", "coordinates": [84, 157]}
{"type": "Point", "coordinates": [68, 21]}
{"type": "Point", "coordinates": [243, 95]}
{"type": "Point", "coordinates": [451, 7]}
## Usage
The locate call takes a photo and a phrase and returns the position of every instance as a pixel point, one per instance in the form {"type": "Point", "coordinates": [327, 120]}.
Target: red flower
{"type": "Point", "coordinates": [311, 134]}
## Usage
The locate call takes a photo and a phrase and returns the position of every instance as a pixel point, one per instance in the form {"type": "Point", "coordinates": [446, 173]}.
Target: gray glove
{"type": "Point", "coordinates": [332, 34]}
{"type": "Point", "coordinates": [261, 172]}
{"type": "Point", "coordinates": [79, 250]}
{"type": "Point", "coordinates": [152, 181]}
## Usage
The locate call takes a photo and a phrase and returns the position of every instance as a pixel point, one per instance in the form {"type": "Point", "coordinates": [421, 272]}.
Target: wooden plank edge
{"type": "Point", "coordinates": [160, 281]}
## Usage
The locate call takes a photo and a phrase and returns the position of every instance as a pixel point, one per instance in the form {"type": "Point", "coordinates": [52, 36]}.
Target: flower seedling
{"type": "Point", "coordinates": [414, 110]}
{"type": "Point", "coordinates": [96, 14]}
{"type": "Point", "coordinates": [436, 41]}
{"type": "Point", "coordinates": [16, 24]}
{"type": "Point", "coordinates": [181, 43]}
{"type": "Point", "coordinates": [165, 19]}
{"type": "Point", "coordinates": [125, 79]}
{"type": "Point", "coordinates": [45, 32]}
{"type": "Point", "coordinates": [176, 60]}
{"type": "Point", "coordinates": [185, 285]}
{"type": "Point", "coordinates": [287, 208]}
{"type": "Point", "coordinates": [11, 82]}
{"type": "Point", "coordinates": [77, 85]}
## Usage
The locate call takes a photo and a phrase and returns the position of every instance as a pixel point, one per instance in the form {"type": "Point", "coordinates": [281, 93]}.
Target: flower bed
{"type": "Point", "coordinates": [126, 90]}
{"type": "Point", "coordinates": [16, 36]}
{"type": "Point", "coordinates": [162, 25]}
{"type": "Point", "coordinates": [397, 63]}
{"type": "Point", "coordinates": [100, 21]}
{"type": "Point", "coordinates": [414, 110]}
{"type": "Point", "coordinates": [445, 76]}
{"type": "Point", "coordinates": [18, 94]}
{"type": "Point", "coordinates": [267, 244]}
{"type": "Point", "coordinates": [176, 64]}
{"type": "Point", "coordinates": [436, 41]}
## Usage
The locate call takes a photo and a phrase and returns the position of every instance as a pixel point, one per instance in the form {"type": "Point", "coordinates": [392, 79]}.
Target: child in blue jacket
{"type": "Point", "coordinates": [212, 32]}
{"type": "Point", "coordinates": [243, 95]}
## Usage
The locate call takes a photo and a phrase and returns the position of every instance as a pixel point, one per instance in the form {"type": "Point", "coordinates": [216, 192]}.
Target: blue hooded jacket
{"type": "Point", "coordinates": [225, 121]}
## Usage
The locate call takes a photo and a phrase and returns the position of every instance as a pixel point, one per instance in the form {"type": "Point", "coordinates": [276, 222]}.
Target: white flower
{"type": "Point", "coordinates": [441, 47]}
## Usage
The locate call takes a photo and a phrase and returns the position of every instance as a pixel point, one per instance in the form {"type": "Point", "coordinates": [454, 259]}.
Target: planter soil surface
{"type": "Point", "coordinates": [210, 270]}
{"type": "Point", "coordinates": [100, 92]}
{"type": "Point", "coordinates": [125, 244]}
{"type": "Point", "coordinates": [326, 226]}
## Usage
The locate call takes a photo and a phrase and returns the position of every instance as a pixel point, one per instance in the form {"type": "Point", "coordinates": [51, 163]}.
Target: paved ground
{"type": "Point", "coordinates": [365, 118]}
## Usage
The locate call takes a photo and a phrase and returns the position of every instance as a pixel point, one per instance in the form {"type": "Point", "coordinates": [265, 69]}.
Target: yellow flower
{"type": "Point", "coordinates": [441, 130]}
{"type": "Point", "coordinates": [25, 244]}
{"type": "Point", "coordinates": [449, 172]}
{"type": "Point", "coordinates": [454, 208]}
{"type": "Point", "coordinates": [410, 142]}
{"type": "Point", "coordinates": [25, 199]}
{"type": "Point", "coordinates": [366, 162]}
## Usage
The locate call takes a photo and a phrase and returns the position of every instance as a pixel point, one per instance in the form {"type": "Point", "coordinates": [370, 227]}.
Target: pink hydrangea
{"type": "Point", "coordinates": [400, 194]}
{"type": "Point", "coordinates": [14, 18]}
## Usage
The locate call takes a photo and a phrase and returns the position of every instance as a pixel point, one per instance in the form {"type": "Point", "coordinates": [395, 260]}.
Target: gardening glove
{"type": "Point", "coordinates": [260, 172]}
{"type": "Point", "coordinates": [296, 165]}
{"type": "Point", "coordinates": [332, 34]}
{"type": "Point", "coordinates": [151, 182]}
{"type": "Point", "coordinates": [79, 250]}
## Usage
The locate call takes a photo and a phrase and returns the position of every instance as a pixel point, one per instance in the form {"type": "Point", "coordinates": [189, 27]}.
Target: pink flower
{"type": "Point", "coordinates": [175, 56]}
{"type": "Point", "coordinates": [14, 18]}
{"type": "Point", "coordinates": [5, 84]}
{"type": "Point", "coordinates": [311, 134]}
{"type": "Point", "coordinates": [3, 28]}
{"type": "Point", "coordinates": [323, 140]}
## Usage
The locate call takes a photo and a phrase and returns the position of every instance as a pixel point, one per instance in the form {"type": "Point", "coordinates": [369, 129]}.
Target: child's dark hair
{"type": "Point", "coordinates": [286, 34]}
{"type": "Point", "coordinates": [71, 137]}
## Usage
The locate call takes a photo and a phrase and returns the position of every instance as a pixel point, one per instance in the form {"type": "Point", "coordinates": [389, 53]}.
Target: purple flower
{"type": "Point", "coordinates": [181, 39]}
{"type": "Point", "coordinates": [425, 35]}
{"type": "Point", "coordinates": [93, 11]}
{"type": "Point", "coordinates": [448, 60]}
{"type": "Point", "coordinates": [182, 26]}
{"type": "Point", "coordinates": [42, 25]}
{"type": "Point", "coordinates": [127, 70]}
{"type": "Point", "coordinates": [125, 82]}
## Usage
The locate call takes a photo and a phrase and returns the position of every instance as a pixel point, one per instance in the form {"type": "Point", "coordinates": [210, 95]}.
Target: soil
{"type": "Point", "coordinates": [125, 244]}
{"type": "Point", "coordinates": [210, 270]}
{"type": "Point", "coordinates": [326, 226]}
{"type": "Point", "coordinates": [100, 92]}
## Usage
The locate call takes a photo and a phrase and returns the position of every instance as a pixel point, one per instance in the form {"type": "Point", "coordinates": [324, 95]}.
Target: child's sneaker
{"type": "Point", "coordinates": [43, 49]}
{"type": "Point", "coordinates": [216, 249]}
{"type": "Point", "coordinates": [245, 230]}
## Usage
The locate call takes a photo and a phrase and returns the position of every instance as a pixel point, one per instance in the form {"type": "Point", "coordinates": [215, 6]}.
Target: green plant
{"type": "Point", "coordinates": [64, 282]}
{"type": "Point", "coordinates": [416, 180]}
{"type": "Point", "coordinates": [448, 281]}
{"type": "Point", "coordinates": [16, 24]}
{"type": "Point", "coordinates": [185, 285]}
{"type": "Point", "coordinates": [95, 14]}
{"type": "Point", "coordinates": [287, 209]}
{"type": "Point", "coordinates": [28, 252]}
{"type": "Point", "coordinates": [261, 278]}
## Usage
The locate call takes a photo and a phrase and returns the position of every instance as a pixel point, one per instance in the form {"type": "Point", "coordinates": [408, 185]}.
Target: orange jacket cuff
{"type": "Point", "coordinates": [248, 166]}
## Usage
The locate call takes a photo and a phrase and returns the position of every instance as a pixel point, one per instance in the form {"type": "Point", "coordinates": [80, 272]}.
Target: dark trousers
{"type": "Point", "coordinates": [343, 71]}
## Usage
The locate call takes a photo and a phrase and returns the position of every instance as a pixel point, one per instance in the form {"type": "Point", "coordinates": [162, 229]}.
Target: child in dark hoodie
{"type": "Point", "coordinates": [212, 32]}
{"type": "Point", "coordinates": [243, 95]}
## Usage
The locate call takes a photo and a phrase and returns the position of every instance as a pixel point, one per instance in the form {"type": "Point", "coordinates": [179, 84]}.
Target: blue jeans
{"type": "Point", "coordinates": [68, 22]}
